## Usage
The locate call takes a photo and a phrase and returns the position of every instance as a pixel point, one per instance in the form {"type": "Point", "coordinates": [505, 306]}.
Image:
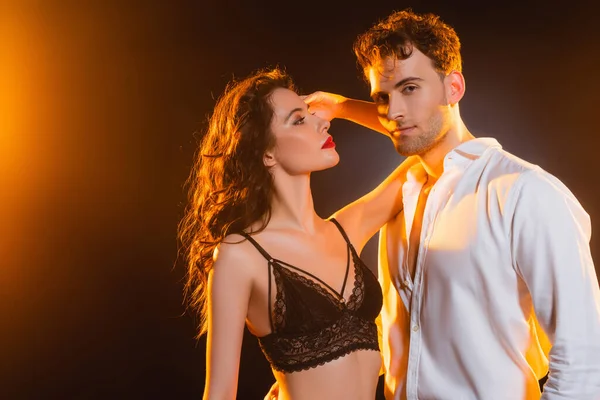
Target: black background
{"type": "Point", "coordinates": [100, 102]}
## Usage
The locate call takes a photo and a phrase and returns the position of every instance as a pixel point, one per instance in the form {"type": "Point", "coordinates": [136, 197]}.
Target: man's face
{"type": "Point", "coordinates": [411, 102]}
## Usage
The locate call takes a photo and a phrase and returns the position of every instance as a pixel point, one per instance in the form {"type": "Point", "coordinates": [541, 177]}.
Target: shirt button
{"type": "Point", "coordinates": [415, 328]}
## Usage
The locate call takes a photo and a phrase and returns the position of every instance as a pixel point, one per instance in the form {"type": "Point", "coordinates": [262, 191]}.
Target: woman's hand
{"type": "Point", "coordinates": [325, 105]}
{"type": "Point", "coordinates": [273, 393]}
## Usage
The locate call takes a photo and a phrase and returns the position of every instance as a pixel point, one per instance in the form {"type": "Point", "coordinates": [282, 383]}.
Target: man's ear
{"type": "Point", "coordinates": [454, 84]}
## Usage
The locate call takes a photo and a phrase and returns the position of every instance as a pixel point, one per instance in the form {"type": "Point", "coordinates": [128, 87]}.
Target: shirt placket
{"type": "Point", "coordinates": [410, 194]}
{"type": "Point", "coordinates": [415, 342]}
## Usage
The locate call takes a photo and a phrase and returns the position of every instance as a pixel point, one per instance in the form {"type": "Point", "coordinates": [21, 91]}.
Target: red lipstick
{"type": "Point", "coordinates": [328, 143]}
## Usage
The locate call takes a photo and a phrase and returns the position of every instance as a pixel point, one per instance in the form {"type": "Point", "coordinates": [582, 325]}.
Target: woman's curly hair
{"type": "Point", "coordinates": [230, 187]}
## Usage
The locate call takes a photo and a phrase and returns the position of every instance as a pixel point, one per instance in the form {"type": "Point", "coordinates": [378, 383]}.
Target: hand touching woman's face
{"type": "Point", "coordinates": [302, 142]}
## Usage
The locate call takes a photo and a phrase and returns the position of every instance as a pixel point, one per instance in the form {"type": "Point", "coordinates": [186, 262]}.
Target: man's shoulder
{"type": "Point", "coordinates": [507, 175]}
{"type": "Point", "coordinates": [502, 171]}
{"type": "Point", "coordinates": [507, 162]}
{"type": "Point", "coordinates": [517, 177]}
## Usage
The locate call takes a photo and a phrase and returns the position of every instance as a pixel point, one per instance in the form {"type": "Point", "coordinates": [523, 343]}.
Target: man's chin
{"type": "Point", "coordinates": [405, 150]}
{"type": "Point", "coordinates": [409, 148]}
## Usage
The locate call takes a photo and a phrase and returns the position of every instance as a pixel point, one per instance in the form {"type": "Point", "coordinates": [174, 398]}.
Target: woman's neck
{"type": "Point", "coordinates": [292, 204]}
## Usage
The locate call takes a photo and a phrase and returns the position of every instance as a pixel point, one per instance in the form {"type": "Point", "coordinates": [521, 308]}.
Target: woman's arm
{"type": "Point", "coordinates": [362, 218]}
{"type": "Point", "coordinates": [329, 106]}
{"type": "Point", "coordinates": [229, 289]}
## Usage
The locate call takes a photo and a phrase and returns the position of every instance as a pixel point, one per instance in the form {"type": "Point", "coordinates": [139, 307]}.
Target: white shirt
{"type": "Point", "coordinates": [504, 285]}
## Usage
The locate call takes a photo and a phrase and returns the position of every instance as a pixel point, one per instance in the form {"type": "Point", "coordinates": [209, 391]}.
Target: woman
{"type": "Point", "coordinates": [258, 254]}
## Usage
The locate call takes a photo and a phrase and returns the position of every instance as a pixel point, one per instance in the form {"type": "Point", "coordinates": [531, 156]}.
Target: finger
{"type": "Point", "coordinates": [270, 396]}
{"type": "Point", "coordinates": [322, 114]}
{"type": "Point", "coordinates": [308, 98]}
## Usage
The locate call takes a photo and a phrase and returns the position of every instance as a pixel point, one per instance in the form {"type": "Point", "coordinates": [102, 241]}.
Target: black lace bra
{"type": "Point", "coordinates": [311, 323]}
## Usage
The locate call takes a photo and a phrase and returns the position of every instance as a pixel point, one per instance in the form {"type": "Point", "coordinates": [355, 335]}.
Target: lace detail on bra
{"type": "Point", "coordinates": [292, 353]}
{"type": "Point", "coordinates": [311, 323]}
{"type": "Point", "coordinates": [358, 291]}
{"type": "Point", "coordinates": [293, 275]}
{"type": "Point", "coordinates": [279, 308]}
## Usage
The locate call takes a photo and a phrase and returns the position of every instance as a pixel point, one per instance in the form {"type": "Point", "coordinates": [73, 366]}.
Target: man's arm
{"type": "Point", "coordinates": [550, 236]}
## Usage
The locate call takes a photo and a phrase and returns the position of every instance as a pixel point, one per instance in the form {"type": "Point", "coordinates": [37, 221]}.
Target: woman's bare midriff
{"type": "Point", "coordinates": [352, 377]}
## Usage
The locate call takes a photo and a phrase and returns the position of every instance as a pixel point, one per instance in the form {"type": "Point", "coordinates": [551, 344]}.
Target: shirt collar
{"type": "Point", "coordinates": [467, 152]}
{"type": "Point", "coordinates": [461, 156]}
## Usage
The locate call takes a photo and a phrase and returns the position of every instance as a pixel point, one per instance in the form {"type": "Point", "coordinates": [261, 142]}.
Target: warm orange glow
{"type": "Point", "coordinates": [17, 181]}
{"type": "Point", "coordinates": [29, 123]}
{"type": "Point", "coordinates": [19, 159]}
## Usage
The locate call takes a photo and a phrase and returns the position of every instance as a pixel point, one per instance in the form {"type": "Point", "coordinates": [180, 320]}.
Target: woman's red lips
{"type": "Point", "coordinates": [328, 143]}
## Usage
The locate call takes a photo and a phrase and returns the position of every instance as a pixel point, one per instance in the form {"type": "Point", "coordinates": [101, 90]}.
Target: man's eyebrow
{"type": "Point", "coordinates": [406, 80]}
{"type": "Point", "coordinates": [398, 84]}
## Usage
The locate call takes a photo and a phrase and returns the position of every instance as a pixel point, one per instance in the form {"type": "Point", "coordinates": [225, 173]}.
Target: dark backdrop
{"type": "Point", "coordinates": [99, 102]}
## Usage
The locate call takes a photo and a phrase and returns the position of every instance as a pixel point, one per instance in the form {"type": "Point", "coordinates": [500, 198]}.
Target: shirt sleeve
{"type": "Point", "coordinates": [550, 234]}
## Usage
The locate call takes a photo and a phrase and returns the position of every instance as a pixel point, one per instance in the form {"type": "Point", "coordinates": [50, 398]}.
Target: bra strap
{"type": "Point", "coordinates": [270, 268]}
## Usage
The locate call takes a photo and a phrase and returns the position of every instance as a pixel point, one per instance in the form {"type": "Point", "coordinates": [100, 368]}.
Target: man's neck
{"type": "Point", "coordinates": [433, 160]}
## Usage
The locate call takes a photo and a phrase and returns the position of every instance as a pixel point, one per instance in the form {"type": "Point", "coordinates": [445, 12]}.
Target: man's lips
{"type": "Point", "coordinates": [403, 131]}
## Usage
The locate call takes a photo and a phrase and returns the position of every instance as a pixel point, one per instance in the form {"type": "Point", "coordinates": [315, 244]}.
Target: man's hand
{"type": "Point", "coordinates": [273, 393]}
{"type": "Point", "coordinates": [325, 105]}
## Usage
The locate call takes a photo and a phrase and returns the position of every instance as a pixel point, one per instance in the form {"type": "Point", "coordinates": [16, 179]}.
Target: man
{"type": "Point", "coordinates": [487, 274]}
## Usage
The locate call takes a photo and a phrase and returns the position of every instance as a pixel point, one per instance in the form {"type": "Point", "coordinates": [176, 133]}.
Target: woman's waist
{"type": "Point", "coordinates": [350, 376]}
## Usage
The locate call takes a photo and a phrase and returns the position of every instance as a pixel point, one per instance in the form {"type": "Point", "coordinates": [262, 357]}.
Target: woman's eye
{"type": "Point", "coordinates": [299, 121]}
